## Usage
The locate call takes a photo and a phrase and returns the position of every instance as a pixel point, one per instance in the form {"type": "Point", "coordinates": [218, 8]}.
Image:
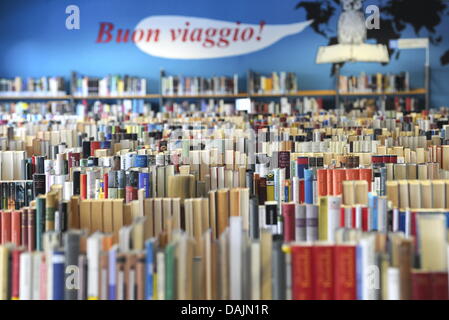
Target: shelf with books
{"type": "Point", "coordinates": [108, 86]}
{"type": "Point", "coordinates": [205, 96]}
{"type": "Point", "coordinates": [192, 86]}
{"type": "Point", "coordinates": [276, 83]}
{"type": "Point", "coordinates": [35, 97]}
{"type": "Point", "coordinates": [412, 92]}
{"type": "Point", "coordinates": [118, 97]}
{"type": "Point", "coordinates": [300, 93]}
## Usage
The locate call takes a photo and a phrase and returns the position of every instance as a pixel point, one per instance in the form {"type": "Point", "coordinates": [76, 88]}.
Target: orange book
{"type": "Point", "coordinates": [338, 176]}
{"type": "Point", "coordinates": [352, 174]}
{"type": "Point", "coordinates": [330, 183]}
{"type": "Point", "coordinates": [322, 182]}
{"type": "Point", "coordinates": [366, 174]}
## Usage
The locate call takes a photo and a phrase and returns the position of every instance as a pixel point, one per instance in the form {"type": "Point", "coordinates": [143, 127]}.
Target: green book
{"type": "Point", "coordinates": [170, 272]}
{"type": "Point", "coordinates": [40, 220]}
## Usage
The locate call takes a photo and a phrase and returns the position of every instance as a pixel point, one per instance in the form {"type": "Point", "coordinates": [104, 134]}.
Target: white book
{"type": "Point", "coordinates": [393, 284]}
{"type": "Point", "coordinates": [255, 270]}
{"type": "Point", "coordinates": [25, 292]}
{"type": "Point", "coordinates": [36, 266]}
{"type": "Point", "coordinates": [333, 216]}
{"type": "Point", "coordinates": [366, 264]}
{"type": "Point", "coordinates": [93, 266]}
{"type": "Point", "coordinates": [221, 177]}
{"type": "Point", "coordinates": [235, 257]}
{"type": "Point", "coordinates": [160, 261]}
{"type": "Point", "coordinates": [244, 207]}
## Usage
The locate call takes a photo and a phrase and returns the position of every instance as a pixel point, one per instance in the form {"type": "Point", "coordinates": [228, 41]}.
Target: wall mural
{"type": "Point", "coordinates": [395, 17]}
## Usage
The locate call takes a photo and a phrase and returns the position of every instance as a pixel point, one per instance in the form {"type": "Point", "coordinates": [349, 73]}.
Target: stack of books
{"type": "Point", "coordinates": [200, 205]}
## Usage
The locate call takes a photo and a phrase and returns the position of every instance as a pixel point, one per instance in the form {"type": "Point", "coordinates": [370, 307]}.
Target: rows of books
{"type": "Point", "coordinates": [34, 87]}
{"type": "Point", "coordinates": [109, 86]}
{"type": "Point", "coordinates": [141, 206]}
{"type": "Point", "coordinates": [276, 83]}
{"type": "Point", "coordinates": [376, 83]}
{"type": "Point", "coordinates": [191, 86]}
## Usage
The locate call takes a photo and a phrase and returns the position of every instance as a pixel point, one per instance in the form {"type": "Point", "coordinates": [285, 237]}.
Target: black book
{"type": "Point", "coordinates": [254, 218]}
{"type": "Point", "coordinates": [86, 149]}
{"type": "Point", "coordinates": [278, 270]}
{"type": "Point", "coordinates": [39, 184]}
{"type": "Point", "coordinates": [76, 182]}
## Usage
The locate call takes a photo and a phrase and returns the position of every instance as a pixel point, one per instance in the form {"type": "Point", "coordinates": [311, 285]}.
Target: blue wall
{"type": "Point", "coordinates": [35, 42]}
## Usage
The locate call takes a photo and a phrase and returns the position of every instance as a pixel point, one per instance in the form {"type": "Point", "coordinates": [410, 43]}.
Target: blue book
{"type": "Point", "coordinates": [58, 275]}
{"type": "Point", "coordinates": [301, 164]}
{"type": "Point", "coordinates": [141, 161]}
{"type": "Point", "coordinates": [359, 271]}
{"type": "Point", "coordinates": [149, 247]}
{"type": "Point", "coordinates": [402, 225]}
{"type": "Point", "coordinates": [372, 205]}
{"type": "Point", "coordinates": [308, 186]}
{"type": "Point", "coordinates": [144, 183]}
{"type": "Point", "coordinates": [112, 280]}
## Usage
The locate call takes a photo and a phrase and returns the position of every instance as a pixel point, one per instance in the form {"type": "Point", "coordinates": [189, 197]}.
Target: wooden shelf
{"type": "Point", "coordinates": [35, 97]}
{"type": "Point", "coordinates": [398, 93]}
{"type": "Point", "coordinates": [301, 93]}
{"type": "Point", "coordinates": [147, 96]}
{"type": "Point", "coordinates": [203, 96]}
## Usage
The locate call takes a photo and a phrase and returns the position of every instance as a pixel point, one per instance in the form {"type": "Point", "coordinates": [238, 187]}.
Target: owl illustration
{"type": "Point", "coordinates": [351, 24]}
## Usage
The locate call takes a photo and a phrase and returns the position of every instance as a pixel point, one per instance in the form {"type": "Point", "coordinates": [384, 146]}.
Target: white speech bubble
{"type": "Point", "coordinates": [181, 37]}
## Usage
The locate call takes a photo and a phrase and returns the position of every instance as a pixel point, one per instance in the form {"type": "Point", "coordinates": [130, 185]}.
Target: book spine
{"type": "Point", "coordinates": [323, 277]}
{"type": "Point", "coordinates": [16, 227]}
{"type": "Point", "coordinates": [308, 186]}
{"type": "Point", "coordinates": [300, 222]}
{"type": "Point", "coordinates": [345, 272]}
{"type": "Point", "coordinates": [149, 271]}
{"type": "Point", "coordinates": [288, 213]}
{"type": "Point", "coordinates": [311, 222]}
{"type": "Point", "coordinates": [15, 274]}
{"type": "Point", "coordinates": [58, 275]}
{"type": "Point", "coordinates": [144, 183]}
{"type": "Point", "coordinates": [302, 278]}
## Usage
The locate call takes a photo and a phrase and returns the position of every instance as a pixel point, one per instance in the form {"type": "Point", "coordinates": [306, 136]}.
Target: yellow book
{"type": "Point", "coordinates": [322, 220]}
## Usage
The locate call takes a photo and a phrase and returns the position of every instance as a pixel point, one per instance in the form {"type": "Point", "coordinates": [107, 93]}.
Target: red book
{"type": "Point", "coordinates": [439, 285]}
{"type": "Point", "coordinates": [24, 227]}
{"type": "Point", "coordinates": [352, 174]}
{"type": "Point", "coordinates": [301, 191]}
{"type": "Point", "coordinates": [6, 226]}
{"type": "Point", "coordinates": [323, 271]}
{"type": "Point", "coordinates": [339, 175]}
{"type": "Point", "coordinates": [347, 217]}
{"type": "Point", "coordinates": [330, 184]}
{"type": "Point", "coordinates": [16, 225]}
{"type": "Point", "coordinates": [367, 174]}
{"type": "Point", "coordinates": [15, 274]}
{"type": "Point", "coordinates": [322, 182]}
{"type": "Point", "coordinates": [83, 186]}
{"type": "Point", "coordinates": [344, 272]}
{"type": "Point", "coordinates": [288, 213]}
{"type": "Point", "coordinates": [421, 288]}
{"type": "Point", "coordinates": [73, 159]}
{"type": "Point", "coordinates": [130, 193]}
{"type": "Point", "coordinates": [365, 219]}
{"type": "Point", "coordinates": [302, 277]}
{"type": "Point", "coordinates": [31, 229]}
{"type": "Point", "coordinates": [105, 185]}
{"type": "Point", "coordinates": [94, 145]}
